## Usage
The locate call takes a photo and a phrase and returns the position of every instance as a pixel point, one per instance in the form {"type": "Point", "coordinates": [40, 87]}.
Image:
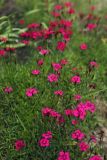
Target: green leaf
{"type": "Point", "coordinates": [32, 12]}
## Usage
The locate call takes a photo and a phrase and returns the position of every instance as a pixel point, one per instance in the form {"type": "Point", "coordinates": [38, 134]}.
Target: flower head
{"type": "Point", "coordinates": [47, 135]}
{"type": "Point", "coordinates": [8, 90]}
{"type": "Point", "coordinates": [44, 52]}
{"type": "Point", "coordinates": [2, 52]}
{"type": "Point", "coordinates": [44, 142]}
{"type": "Point", "coordinates": [77, 97]}
{"type": "Point", "coordinates": [96, 157]}
{"type": "Point", "coordinates": [58, 92]}
{"type": "Point", "coordinates": [77, 135]}
{"type": "Point", "coordinates": [52, 78]}
{"type": "Point", "coordinates": [31, 91]}
{"type": "Point", "coordinates": [64, 156]}
{"type": "Point", "coordinates": [36, 72]}
{"type": "Point", "coordinates": [83, 146]}
{"type": "Point", "coordinates": [61, 46]}
{"type": "Point", "coordinates": [83, 46]}
{"type": "Point", "coordinates": [56, 66]}
{"type": "Point", "coordinates": [75, 79]}
{"type": "Point", "coordinates": [19, 144]}
{"type": "Point", "coordinates": [91, 26]}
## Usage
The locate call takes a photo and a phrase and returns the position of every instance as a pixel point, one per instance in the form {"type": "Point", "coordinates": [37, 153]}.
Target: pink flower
{"type": "Point", "coordinates": [60, 120]}
{"type": "Point", "coordinates": [66, 23]}
{"type": "Point", "coordinates": [2, 52]}
{"type": "Point", "coordinates": [64, 156]}
{"type": "Point", "coordinates": [56, 14]}
{"type": "Point", "coordinates": [77, 135]}
{"type": "Point", "coordinates": [93, 138]}
{"type": "Point", "coordinates": [68, 4]}
{"type": "Point", "coordinates": [21, 21]}
{"type": "Point", "coordinates": [75, 79]}
{"type": "Point", "coordinates": [91, 26]}
{"type": "Point", "coordinates": [74, 122]}
{"type": "Point", "coordinates": [19, 144]}
{"type": "Point", "coordinates": [36, 72]}
{"type": "Point", "coordinates": [75, 113]}
{"type": "Point", "coordinates": [8, 90]}
{"type": "Point", "coordinates": [64, 61]}
{"type": "Point", "coordinates": [83, 46]}
{"type": "Point", "coordinates": [54, 114]}
{"type": "Point", "coordinates": [39, 48]}
{"type": "Point", "coordinates": [92, 8]}
{"type": "Point", "coordinates": [33, 25]}
{"type": "Point", "coordinates": [56, 66]}
{"type": "Point", "coordinates": [96, 157]}
{"type": "Point", "coordinates": [93, 64]}
{"type": "Point", "coordinates": [50, 112]}
{"type": "Point", "coordinates": [77, 97]}
{"type": "Point", "coordinates": [47, 135]}
{"type": "Point", "coordinates": [46, 111]}
{"type": "Point", "coordinates": [71, 11]}
{"type": "Point", "coordinates": [59, 92]}
{"type": "Point", "coordinates": [44, 52]}
{"type": "Point", "coordinates": [68, 112]}
{"type": "Point", "coordinates": [44, 142]}
{"type": "Point", "coordinates": [53, 78]}
{"type": "Point", "coordinates": [90, 106]}
{"type": "Point", "coordinates": [58, 7]}
{"type": "Point", "coordinates": [40, 62]}
{"type": "Point", "coordinates": [83, 146]}
{"type": "Point", "coordinates": [61, 46]}
{"type": "Point", "coordinates": [26, 42]}
{"type": "Point", "coordinates": [31, 91]}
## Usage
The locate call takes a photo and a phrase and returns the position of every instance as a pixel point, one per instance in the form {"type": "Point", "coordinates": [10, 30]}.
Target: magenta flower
{"type": "Point", "coordinates": [36, 72]}
{"type": "Point", "coordinates": [77, 97]}
{"type": "Point", "coordinates": [44, 52]}
{"type": "Point", "coordinates": [75, 113]}
{"type": "Point", "coordinates": [59, 92]}
{"type": "Point", "coordinates": [2, 52]}
{"type": "Point", "coordinates": [66, 23]}
{"type": "Point", "coordinates": [96, 157]}
{"type": "Point", "coordinates": [47, 135]}
{"type": "Point", "coordinates": [83, 46]}
{"type": "Point", "coordinates": [93, 64]}
{"type": "Point", "coordinates": [44, 142]}
{"type": "Point", "coordinates": [93, 138]}
{"type": "Point", "coordinates": [83, 146]}
{"type": "Point", "coordinates": [19, 144]}
{"type": "Point", "coordinates": [56, 66]}
{"type": "Point", "coordinates": [90, 106]}
{"type": "Point", "coordinates": [8, 89]}
{"type": "Point", "coordinates": [50, 112]}
{"type": "Point", "coordinates": [64, 155]}
{"type": "Point", "coordinates": [40, 62]}
{"type": "Point", "coordinates": [54, 114]}
{"type": "Point", "coordinates": [91, 26]}
{"type": "Point", "coordinates": [68, 112]}
{"type": "Point", "coordinates": [74, 122]}
{"type": "Point", "coordinates": [53, 78]}
{"type": "Point", "coordinates": [31, 91]}
{"type": "Point", "coordinates": [61, 46]}
{"type": "Point", "coordinates": [46, 111]}
{"type": "Point", "coordinates": [77, 135]}
{"type": "Point", "coordinates": [64, 62]}
{"type": "Point", "coordinates": [58, 7]}
{"type": "Point", "coordinates": [68, 4]}
{"type": "Point", "coordinates": [71, 11]}
{"type": "Point", "coordinates": [75, 79]}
